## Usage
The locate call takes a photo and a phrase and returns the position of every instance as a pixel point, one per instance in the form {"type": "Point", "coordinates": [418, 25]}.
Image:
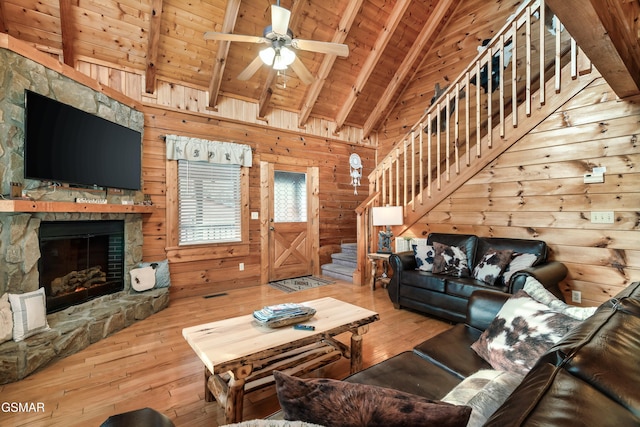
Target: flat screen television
{"type": "Point", "coordinates": [67, 145]}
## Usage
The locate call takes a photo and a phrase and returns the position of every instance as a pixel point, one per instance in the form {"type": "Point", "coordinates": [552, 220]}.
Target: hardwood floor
{"type": "Point", "coordinates": [150, 364]}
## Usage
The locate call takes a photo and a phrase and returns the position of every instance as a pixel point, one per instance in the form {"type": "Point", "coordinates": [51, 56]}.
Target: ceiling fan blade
{"type": "Point", "coordinates": [251, 69]}
{"type": "Point", "coordinates": [337, 49]}
{"type": "Point", "coordinates": [280, 19]}
{"type": "Point", "coordinates": [212, 35]}
{"type": "Point", "coordinates": [302, 71]}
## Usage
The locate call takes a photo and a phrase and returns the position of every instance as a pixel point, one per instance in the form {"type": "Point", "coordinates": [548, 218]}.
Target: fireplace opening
{"type": "Point", "coordinates": [80, 260]}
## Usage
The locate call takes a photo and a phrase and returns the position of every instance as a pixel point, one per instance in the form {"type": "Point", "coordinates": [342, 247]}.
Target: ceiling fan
{"type": "Point", "coordinates": [279, 54]}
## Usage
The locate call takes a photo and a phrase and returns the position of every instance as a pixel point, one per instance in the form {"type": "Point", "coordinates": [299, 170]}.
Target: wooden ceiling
{"type": "Point", "coordinates": [163, 39]}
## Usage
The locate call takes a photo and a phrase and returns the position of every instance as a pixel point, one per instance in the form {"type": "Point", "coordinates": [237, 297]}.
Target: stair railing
{"type": "Point", "coordinates": [471, 117]}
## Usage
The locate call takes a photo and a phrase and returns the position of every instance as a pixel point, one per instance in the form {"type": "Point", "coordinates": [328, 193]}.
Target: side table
{"type": "Point", "coordinates": [383, 277]}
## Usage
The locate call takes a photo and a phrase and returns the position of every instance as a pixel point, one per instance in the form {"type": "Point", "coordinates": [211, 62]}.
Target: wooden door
{"type": "Point", "coordinates": [292, 221]}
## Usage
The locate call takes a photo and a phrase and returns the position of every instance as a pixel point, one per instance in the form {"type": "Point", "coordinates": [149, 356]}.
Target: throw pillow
{"type": "Point", "coordinates": [423, 253]}
{"type": "Point", "coordinates": [485, 391]}
{"type": "Point", "coordinates": [143, 278]}
{"type": "Point", "coordinates": [29, 314]}
{"type": "Point", "coordinates": [6, 320]}
{"type": "Point", "coordinates": [450, 260]}
{"type": "Point", "coordinates": [339, 403]}
{"type": "Point", "coordinates": [538, 292]}
{"type": "Point", "coordinates": [519, 261]}
{"type": "Point", "coordinates": [163, 276]}
{"type": "Point", "coordinates": [492, 265]}
{"type": "Point", "coordinates": [522, 331]}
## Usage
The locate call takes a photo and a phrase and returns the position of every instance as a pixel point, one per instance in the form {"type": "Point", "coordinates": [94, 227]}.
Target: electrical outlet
{"type": "Point", "coordinates": [606, 217]}
{"type": "Point", "coordinates": [241, 266]}
{"type": "Point", "coordinates": [576, 296]}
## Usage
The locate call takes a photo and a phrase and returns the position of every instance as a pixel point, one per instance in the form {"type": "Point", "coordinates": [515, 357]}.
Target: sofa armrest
{"type": "Point", "coordinates": [483, 307]}
{"type": "Point", "coordinates": [399, 262]}
{"type": "Point", "coordinates": [549, 274]}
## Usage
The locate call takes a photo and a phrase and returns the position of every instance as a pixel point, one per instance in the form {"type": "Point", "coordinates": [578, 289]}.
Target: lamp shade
{"type": "Point", "coordinates": [387, 215]}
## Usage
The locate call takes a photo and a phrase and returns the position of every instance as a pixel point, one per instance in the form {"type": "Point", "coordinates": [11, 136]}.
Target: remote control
{"type": "Point", "coordinates": [304, 327]}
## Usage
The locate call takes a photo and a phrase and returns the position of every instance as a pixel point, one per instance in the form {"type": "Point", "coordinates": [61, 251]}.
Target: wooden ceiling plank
{"type": "Point", "coordinates": [67, 28]}
{"type": "Point", "coordinates": [428, 30]}
{"type": "Point", "coordinates": [152, 45]}
{"type": "Point", "coordinates": [374, 56]}
{"type": "Point", "coordinates": [348, 18]}
{"type": "Point", "coordinates": [230, 17]}
{"type": "Point", "coordinates": [601, 41]}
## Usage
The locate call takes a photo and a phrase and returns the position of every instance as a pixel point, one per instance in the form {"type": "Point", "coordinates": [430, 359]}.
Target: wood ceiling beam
{"type": "Point", "coordinates": [313, 91]}
{"type": "Point", "coordinates": [607, 32]}
{"type": "Point", "coordinates": [374, 56]}
{"type": "Point", "coordinates": [67, 29]}
{"type": "Point", "coordinates": [152, 45]}
{"type": "Point", "coordinates": [394, 87]}
{"type": "Point", "coordinates": [230, 17]}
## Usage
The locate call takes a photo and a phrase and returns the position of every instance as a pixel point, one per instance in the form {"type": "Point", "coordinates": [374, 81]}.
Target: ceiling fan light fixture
{"type": "Point", "coordinates": [287, 55]}
{"type": "Point", "coordinates": [268, 55]}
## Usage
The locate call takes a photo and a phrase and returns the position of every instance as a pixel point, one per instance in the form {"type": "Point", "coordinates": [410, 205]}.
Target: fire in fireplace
{"type": "Point", "coordinates": [80, 260]}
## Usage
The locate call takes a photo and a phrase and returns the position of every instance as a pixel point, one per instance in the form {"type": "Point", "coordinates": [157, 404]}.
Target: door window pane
{"type": "Point", "coordinates": [290, 197]}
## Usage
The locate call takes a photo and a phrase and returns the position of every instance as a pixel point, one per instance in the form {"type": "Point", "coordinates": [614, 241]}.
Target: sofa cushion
{"type": "Point", "coordinates": [450, 260]}
{"type": "Point", "coordinates": [339, 403]}
{"type": "Point", "coordinates": [410, 373]}
{"type": "Point", "coordinates": [424, 280]}
{"type": "Point", "coordinates": [491, 265]}
{"type": "Point", "coordinates": [523, 330]}
{"type": "Point", "coordinates": [451, 350]}
{"type": "Point", "coordinates": [465, 286]}
{"type": "Point", "coordinates": [550, 396]}
{"type": "Point", "coordinates": [484, 391]}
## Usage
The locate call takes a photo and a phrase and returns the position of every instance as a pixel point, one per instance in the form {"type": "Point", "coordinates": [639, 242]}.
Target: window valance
{"type": "Point", "coordinates": [195, 149]}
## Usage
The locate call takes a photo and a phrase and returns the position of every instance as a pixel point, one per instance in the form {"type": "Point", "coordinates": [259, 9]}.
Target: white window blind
{"type": "Point", "coordinates": [209, 202]}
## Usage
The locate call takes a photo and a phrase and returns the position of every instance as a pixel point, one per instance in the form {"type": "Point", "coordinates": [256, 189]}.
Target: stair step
{"type": "Point", "coordinates": [338, 272]}
{"type": "Point", "coordinates": [344, 259]}
{"type": "Point", "coordinates": [349, 248]}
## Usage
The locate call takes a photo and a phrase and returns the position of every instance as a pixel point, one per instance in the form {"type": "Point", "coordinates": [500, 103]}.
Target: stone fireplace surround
{"type": "Point", "coordinates": [76, 327]}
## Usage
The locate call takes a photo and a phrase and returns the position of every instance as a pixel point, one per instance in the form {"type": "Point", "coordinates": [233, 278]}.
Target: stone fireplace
{"type": "Point", "coordinates": [80, 260]}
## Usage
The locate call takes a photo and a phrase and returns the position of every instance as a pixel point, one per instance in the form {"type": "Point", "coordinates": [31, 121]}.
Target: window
{"type": "Point", "coordinates": [209, 202]}
{"type": "Point", "coordinates": [290, 197]}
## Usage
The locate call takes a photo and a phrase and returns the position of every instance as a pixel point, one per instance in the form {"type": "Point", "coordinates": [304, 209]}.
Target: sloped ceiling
{"type": "Point", "coordinates": [163, 39]}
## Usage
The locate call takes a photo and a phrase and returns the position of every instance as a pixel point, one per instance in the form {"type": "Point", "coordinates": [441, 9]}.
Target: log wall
{"type": "Point", "coordinates": [536, 189]}
{"type": "Point", "coordinates": [214, 268]}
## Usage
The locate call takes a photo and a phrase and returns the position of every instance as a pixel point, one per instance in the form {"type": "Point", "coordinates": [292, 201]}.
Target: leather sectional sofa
{"type": "Point", "coordinates": [589, 378]}
{"type": "Point", "coordinates": [445, 295]}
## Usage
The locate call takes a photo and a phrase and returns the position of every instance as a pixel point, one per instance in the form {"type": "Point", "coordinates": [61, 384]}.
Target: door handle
{"type": "Point", "coordinates": [272, 228]}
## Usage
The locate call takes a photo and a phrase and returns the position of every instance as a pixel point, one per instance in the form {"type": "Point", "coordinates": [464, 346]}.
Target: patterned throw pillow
{"type": "Point", "coordinates": [492, 265]}
{"type": "Point", "coordinates": [29, 314]}
{"type": "Point", "coordinates": [339, 403]}
{"type": "Point", "coordinates": [423, 253]}
{"type": "Point", "coordinates": [539, 293]}
{"type": "Point", "coordinates": [519, 261]}
{"type": "Point", "coordinates": [485, 391]}
{"type": "Point", "coordinates": [522, 331]}
{"type": "Point", "coordinates": [163, 276]}
{"type": "Point", "coordinates": [450, 260]}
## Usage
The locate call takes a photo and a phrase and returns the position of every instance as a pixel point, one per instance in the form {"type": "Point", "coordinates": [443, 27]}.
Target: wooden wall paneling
{"type": "Point", "coordinates": [202, 272]}
{"type": "Point", "coordinates": [536, 190]}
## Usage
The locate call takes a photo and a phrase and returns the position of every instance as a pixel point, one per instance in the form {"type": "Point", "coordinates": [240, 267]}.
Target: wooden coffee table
{"type": "Point", "coordinates": [240, 355]}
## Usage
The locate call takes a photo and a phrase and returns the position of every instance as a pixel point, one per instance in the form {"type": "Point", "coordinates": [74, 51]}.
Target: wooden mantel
{"type": "Point", "coordinates": [52, 206]}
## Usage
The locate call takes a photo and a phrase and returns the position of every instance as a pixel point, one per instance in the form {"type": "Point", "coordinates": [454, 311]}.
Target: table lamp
{"type": "Point", "coordinates": [386, 216]}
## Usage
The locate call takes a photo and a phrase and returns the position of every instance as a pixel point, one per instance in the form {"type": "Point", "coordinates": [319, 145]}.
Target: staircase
{"type": "Point", "coordinates": [343, 264]}
{"type": "Point", "coordinates": [527, 71]}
